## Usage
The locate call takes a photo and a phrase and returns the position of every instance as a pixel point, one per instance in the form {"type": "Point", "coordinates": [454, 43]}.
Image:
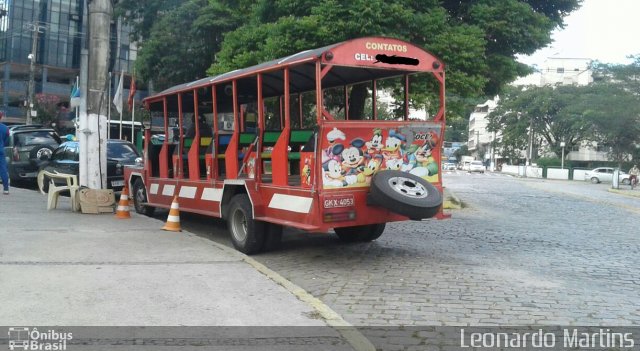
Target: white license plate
{"type": "Point", "coordinates": [117, 183]}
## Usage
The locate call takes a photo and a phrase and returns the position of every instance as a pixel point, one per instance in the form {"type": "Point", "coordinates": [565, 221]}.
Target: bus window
{"type": "Point", "coordinates": [156, 110]}
{"type": "Point", "coordinates": [273, 118]}
{"type": "Point", "coordinates": [309, 119]}
{"type": "Point", "coordinates": [424, 102]}
{"type": "Point", "coordinates": [333, 99]}
{"type": "Point", "coordinates": [390, 99]}
{"type": "Point", "coordinates": [360, 101]}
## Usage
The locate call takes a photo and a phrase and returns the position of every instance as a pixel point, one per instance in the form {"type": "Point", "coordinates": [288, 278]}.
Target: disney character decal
{"type": "Point", "coordinates": [332, 152]}
{"type": "Point", "coordinates": [372, 167]}
{"type": "Point", "coordinates": [374, 146]}
{"type": "Point", "coordinates": [392, 151]}
{"type": "Point", "coordinates": [333, 176]}
{"type": "Point", "coordinates": [353, 158]}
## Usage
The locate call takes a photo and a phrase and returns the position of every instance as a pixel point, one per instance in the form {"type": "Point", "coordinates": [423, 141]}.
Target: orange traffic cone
{"type": "Point", "coordinates": [122, 211]}
{"type": "Point", "coordinates": [173, 220]}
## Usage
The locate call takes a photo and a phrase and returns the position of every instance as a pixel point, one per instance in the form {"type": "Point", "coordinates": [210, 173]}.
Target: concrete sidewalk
{"type": "Point", "coordinates": [63, 268]}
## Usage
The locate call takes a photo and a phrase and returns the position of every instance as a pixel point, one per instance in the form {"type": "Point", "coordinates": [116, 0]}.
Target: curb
{"type": "Point", "coordinates": [350, 333]}
{"type": "Point", "coordinates": [629, 193]}
{"type": "Point", "coordinates": [451, 201]}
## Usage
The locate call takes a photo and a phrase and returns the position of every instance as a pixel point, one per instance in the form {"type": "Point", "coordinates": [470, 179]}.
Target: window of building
{"type": "Point", "coordinates": [560, 70]}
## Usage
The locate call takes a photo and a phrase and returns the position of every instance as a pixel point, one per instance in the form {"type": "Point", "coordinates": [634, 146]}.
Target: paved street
{"type": "Point", "coordinates": [523, 251]}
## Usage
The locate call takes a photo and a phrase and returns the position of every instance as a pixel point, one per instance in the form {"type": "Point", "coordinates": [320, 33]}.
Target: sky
{"type": "Point", "coordinates": [603, 30]}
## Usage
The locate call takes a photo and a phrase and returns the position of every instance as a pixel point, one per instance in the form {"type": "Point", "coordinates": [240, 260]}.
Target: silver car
{"type": "Point", "coordinates": [605, 174]}
{"type": "Point", "coordinates": [476, 166]}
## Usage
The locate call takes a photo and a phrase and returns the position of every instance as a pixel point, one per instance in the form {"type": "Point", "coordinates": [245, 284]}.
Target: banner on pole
{"type": "Point", "coordinates": [74, 99]}
{"type": "Point", "coordinates": [117, 100]}
{"type": "Point", "coordinates": [132, 92]}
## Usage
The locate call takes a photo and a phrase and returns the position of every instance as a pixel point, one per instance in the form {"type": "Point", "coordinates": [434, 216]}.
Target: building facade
{"type": "Point", "coordinates": [53, 34]}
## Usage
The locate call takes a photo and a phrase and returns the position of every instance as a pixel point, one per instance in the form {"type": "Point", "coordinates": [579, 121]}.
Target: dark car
{"type": "Point", "coordinates": [27, 145]}
{"type": "Point", "coordinates": [66, 159]}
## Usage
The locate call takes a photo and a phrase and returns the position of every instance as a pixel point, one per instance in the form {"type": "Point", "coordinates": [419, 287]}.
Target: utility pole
{"type": "Point", "coordinates": [93, 120]}
{"type": "Point", "coordinates": [36, 28]}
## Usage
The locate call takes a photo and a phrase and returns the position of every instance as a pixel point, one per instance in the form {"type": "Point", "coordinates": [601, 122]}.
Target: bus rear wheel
{"type": "Point", "coordinates": [360, 233]}
{"type": "Point", "coordinates": [247, 234]}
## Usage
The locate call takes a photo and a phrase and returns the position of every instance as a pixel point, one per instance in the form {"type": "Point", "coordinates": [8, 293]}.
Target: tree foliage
{"type": "Point", "coordinates": [607, 112]}
{"type": "Point", "coordinates": [478, 40]}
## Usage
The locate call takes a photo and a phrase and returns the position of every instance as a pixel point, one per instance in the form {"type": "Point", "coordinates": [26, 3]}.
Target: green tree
{"type": "Point", "coordinates": [553, 113]}
{"type": "Point", "coordinates": [614, 113]}
{"type": "Point", "coordinates": [478, 40]}
{"type": "Point", "coordinates": [179, 39]}
{"type": "Point", "coordinates": [47, 108]}
{"type": "Point", "coordinates": [607, 111]}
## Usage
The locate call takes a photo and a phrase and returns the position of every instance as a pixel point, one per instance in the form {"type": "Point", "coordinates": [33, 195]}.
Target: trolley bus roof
{"type": "Point", "coordinates": [391, 56]}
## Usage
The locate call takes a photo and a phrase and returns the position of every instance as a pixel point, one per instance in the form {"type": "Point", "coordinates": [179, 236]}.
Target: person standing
{"type": "Point", "coordinates": [633, 175]}
{"type": "Point", "coordinates": [4, 139]}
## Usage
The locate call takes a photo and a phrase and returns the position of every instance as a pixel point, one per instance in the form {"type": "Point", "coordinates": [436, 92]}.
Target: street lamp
{"type": "Point", "coordinates": [562, 144]}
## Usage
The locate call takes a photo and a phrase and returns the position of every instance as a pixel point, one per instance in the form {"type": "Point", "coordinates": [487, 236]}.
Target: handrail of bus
{"type": "Point", "coordinates": [248, 152]}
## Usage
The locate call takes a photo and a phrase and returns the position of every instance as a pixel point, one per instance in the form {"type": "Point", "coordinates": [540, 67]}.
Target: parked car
{"type": "Point", "coordinates": [476, 166]}
{"type": "Point", "coordinates": [605, 174]}
{"type": "Point", "coordinates": [449, 166]}
{"type": "Point", "coordinates": [66, 159]}
{"type": "Point", "coordinates": [27, 145]}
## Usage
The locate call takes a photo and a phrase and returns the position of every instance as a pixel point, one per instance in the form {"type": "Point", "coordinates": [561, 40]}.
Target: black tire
{"type": "Point", "coordinates": [405, 194]}
{"type": "Point", "coordinates": [595, 180]}
{"type": "Point", "coordinates": [38, 151]}
{"type": "Point", "coordinates": [626, 181]}
{"type": "Point", "coordinates": [247, 234]}
{"type": "Point", "coordinates": [139, 195]}
{"type": "Point", "coordinates": [360, 233]}
{"type": "Point", "coordinates": [273, 237]}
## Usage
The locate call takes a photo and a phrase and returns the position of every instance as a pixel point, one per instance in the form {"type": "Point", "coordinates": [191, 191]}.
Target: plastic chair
{"type": "Point", "coordinates": [54, 190]}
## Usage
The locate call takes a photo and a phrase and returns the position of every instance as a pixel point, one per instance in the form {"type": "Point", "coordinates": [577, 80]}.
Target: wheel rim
{"type": "Point", "coordinates": [594, 180]}
{"type": "Point", "coordinates": [43, 151]}
{"type": "Point", "coordinates": [408, 187]}
{"type": "Point", "coordinates": [239, 226]}
{"type": "Point", "coordinates": [140, 199]}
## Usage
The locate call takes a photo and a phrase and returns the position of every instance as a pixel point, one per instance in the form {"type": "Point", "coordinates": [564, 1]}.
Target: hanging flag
{"type": "Point", "coordinates": [74, 100]}
{"type": "Point", "coordinates": [132, 92]}
{"type": "Point", "coordinates": [117, 100]}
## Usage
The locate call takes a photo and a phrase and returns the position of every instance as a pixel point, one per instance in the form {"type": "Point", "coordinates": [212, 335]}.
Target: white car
{"type": "Point", "coordinates": [605, 174]}
{"type": "Point", "coordinates": [476, 166]}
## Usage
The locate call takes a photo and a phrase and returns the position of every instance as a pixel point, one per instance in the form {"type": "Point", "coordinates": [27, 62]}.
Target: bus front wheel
{"type": "Point", "coordinates": [247, 234]}
{"type": "Point", "coordinates": [139, 195]}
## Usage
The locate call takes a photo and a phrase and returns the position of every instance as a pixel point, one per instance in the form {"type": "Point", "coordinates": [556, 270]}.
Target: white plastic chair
{"type": "Point", "coordinates": [54, 190]}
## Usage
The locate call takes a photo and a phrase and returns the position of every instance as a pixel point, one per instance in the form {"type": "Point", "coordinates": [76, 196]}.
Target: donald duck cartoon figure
{"type": "Point", "coordinates": [392, 150]}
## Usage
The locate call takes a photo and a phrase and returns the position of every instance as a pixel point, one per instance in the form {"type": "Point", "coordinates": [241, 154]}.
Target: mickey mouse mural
{"type": "Point", "coordinates": [350, 161]}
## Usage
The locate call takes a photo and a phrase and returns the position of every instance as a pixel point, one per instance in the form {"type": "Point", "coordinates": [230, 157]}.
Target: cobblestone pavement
{"type": "Point", "coordinates": [522, 252]}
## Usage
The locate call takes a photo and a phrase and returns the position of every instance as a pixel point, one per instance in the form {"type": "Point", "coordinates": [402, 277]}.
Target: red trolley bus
{"type": "Point", "coordinates": [345, 137]}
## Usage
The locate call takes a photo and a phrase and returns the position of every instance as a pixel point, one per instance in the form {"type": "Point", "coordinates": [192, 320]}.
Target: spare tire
{"type": "Point", "coordinates": [405, 194]}
{"type": "Point", "coordinates": [39, 150]}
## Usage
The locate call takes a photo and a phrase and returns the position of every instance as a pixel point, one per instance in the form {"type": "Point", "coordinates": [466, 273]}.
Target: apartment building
{"type": "Point", "coordinates": [52, 33]}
